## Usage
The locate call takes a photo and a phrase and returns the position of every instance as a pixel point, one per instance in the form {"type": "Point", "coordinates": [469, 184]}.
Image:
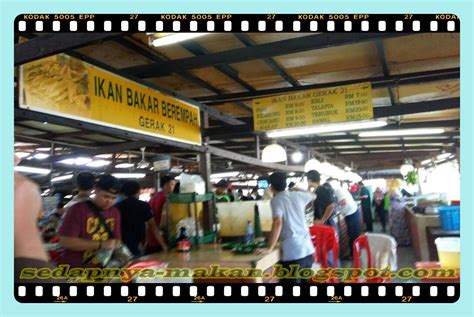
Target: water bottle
{"type": "Point", "coordinates": [249, 233]}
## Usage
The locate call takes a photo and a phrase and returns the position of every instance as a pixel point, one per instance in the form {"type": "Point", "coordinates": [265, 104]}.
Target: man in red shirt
{"type": "Point", "coordinates": [156, 243]}
{"type": "Point", "coordinates": [82, 233]}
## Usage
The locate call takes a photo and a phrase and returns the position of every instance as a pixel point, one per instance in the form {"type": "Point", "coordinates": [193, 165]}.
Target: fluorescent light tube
{"type": "Point", "coordinates": [98, 163]}
{"type": "Point", "coordinates": [175, 38]}
{"type": "Point", "coordinates": [327, 128]}
{"type": "Point", "coordinates": [22, 155]}
{"type": "Point", "coordinates": [32, 170]}
{"type": "Point", "coordinates": [224, 175]}
{"type": "Point", "coordinates": [62, 178]}
{"type": "Point", "coordinates": [124, 165]}
{"type": "Point", "coordinates": [443, 156]}
{"type": "Point", "coordinates": [82, 160]}
{"type": "Point", "coordinates": [41, 156]}
{"type": "Point", "coordinates": [401, 132]}
{"type": "Point", "coordinates": [129, 175]}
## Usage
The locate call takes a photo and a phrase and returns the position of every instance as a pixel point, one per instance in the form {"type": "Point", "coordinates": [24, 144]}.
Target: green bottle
{"type": "Point", "coordinates": [257, 224]}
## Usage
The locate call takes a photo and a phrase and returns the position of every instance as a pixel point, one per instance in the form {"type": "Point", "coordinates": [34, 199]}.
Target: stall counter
{"type": "Point", "coordinates": [418, 224]}
{"type": "Point", "coordinates": [213, 254]}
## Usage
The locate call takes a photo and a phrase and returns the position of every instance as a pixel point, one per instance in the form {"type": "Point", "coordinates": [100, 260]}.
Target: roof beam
{"type": "Point", "coordinates": [306, 43]}
{"type": "Point", "coordinates": [38, 116]}
{"type": "Point", "coordinates": [385, 69]}
{"type": "Point", "coordinates": [36, 139]}
{"type": "Point", "coordinates": [377, 82]}
{"type": "Point", "coordinates": [379, 112]}
{"type": "Point", "coordinates": [311, 144]}
{"type": "Point", "coordinates": [212, 112]}
{"type": "Point", "coordinates": [137, 48]}
{"type": "Point", "coordinates": [229, 71]}
{"type": "Point", "coordinates": [53, 136]}
{"type": "Point", "coordinates": [387, 148]}
{"type": "Point", "coordinates": [247, 41]}
{"type": "Point", "coordinates": [46, 134]}
{"type": "Point", "coordinates": [417, 107]}
{"type": "Point", "coordinates": [101, 150]}
{"type": "Point", "coordinates": [378, 160]}
{"type": "Point", "coordinates": [365, 143]}
{"type": "Point", "coordinates": [183, 73]}
{"type": "Point", "coordinates": [252, 160]}
{"type": "Point", "coordinates": [50, 44]}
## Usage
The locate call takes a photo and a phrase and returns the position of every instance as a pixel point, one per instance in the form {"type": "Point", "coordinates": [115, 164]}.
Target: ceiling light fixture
{"type": "Point", "coordinates": [426, 162]}
{"type": "Point", "coordinates": [104, 156]}
{"type": "Point", "coordinates": [312, 164]}
{"type": "Point", "coordinates": [98, 163]}
{"type": "Point", "coordinates": [40, 156]}
{"type": "Point", "coordinates": [124, 165]}
{"type": "Point", "coordinates": [327, 128]}
{"type": "Point", "coordinates": [175, 38]}
{"type": "Point", "coordinates": [129, 175]}
{"type": "Point", "coordinates": [22, 155]}
{"type": "Point", "coordinates": [82, 160]}
{"type": "Point", "coordinates": [224, 175]}
{"type": "Point", "coordinates": [32, 170]}
{"type": "Point", "coordinates": [401, 132]}
{"type": "Point", "coordinates": [406, 167]}
{"type": "Point", "coordinates": [68, 161]}
{"type": "Point", "coordinates": [443, 156]}
{"type": "Point", "coordinates": [274, 153]}
{"type": "Point", "coordinates": [297, 156]}
{"type": "Point", "coordinates": [61, 178]}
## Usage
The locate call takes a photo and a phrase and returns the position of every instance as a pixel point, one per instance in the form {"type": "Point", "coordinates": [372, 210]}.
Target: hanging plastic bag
{"type": "Point", "coordinates": [190, 225]}
{"type": "Point", "coordinates": [192, 184]}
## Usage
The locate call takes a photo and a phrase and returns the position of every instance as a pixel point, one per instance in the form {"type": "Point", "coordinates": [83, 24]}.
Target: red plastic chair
{"type": "Point", "coordinates": [324, 239]}
{"type": "Point", "coordinates": [360, 244]}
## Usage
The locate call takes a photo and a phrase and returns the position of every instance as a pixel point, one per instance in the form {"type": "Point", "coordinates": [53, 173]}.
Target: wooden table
{"type": "Point", "coordinates": [213, 254]}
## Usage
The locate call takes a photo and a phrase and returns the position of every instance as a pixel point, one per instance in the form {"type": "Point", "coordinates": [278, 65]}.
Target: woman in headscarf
{"type": "Point", "coordinates": [378, 202]}
{"type": "Point", "coordinates": [398, 222]}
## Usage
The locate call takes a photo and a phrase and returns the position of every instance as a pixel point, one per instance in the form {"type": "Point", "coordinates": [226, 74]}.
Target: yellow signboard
{"type": "Point", "coordinates": [313, 107]}
{"type": "Point", "coordinates": [68, 87]}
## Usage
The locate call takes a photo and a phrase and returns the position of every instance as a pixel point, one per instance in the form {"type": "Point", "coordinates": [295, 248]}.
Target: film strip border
{"type": "Point", "coordinates": [238, 293]}
{"type": "Point", "coordinates": [404, 23]}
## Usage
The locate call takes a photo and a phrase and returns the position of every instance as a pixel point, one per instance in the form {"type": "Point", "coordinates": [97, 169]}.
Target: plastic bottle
{"type": "Point", "coordinates": [257, 224]}
{"type": "Point", "coordinates": [249, 233]}
{"type": "Point", "coordinates": [183, 244]}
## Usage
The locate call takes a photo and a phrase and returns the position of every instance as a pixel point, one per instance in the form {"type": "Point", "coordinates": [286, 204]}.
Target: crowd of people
{"type": "Point", "coordinates": [105, 214]}
{"type": "Point", "coordinates": [225, 194]}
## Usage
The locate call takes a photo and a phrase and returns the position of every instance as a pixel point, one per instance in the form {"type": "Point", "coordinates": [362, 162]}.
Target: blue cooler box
{"type": "Point", "coordinates": [449, 217]}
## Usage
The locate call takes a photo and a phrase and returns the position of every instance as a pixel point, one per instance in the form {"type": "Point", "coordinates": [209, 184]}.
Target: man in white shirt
{"type": "Point", "coordinates": [289, 224]}
{"type": "Point", "coordinates": [350, 211]}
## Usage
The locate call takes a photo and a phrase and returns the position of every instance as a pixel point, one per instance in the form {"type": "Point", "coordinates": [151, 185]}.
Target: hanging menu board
{"type": "Point", "coordinates": [64, 86]}
{"type": "Point", "coordinates": [313, 107]}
